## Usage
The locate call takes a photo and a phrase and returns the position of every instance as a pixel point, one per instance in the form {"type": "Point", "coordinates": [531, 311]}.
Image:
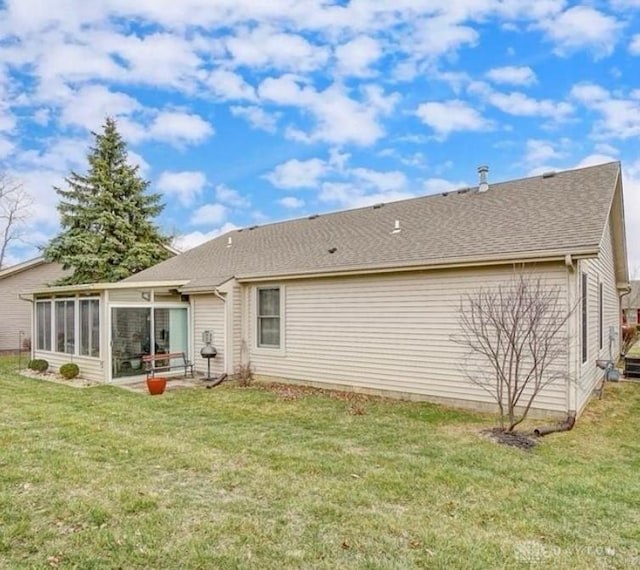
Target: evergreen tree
{"type": "Point", "coordinates": [106, 216]}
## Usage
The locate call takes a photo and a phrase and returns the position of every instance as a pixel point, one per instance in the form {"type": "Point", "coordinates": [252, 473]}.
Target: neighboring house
{"type": "Point", "coordinates": [366, 299]}
{"type": "Point", "coordinates": [15, 325]}
{"type": "Point", "coordinates": [631, 305]}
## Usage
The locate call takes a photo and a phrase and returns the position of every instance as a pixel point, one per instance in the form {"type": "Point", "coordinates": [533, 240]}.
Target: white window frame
{"type": "Point", "coordinates": [51, 327]}
{"type": "Point", "coordinates": [76, 326]}
{"type": "Point", "coordinates": [269, 350]}
{"type": "Point", "coordinates": [79, 301]}
{"type": "Point", "coordinates": [54, 343]}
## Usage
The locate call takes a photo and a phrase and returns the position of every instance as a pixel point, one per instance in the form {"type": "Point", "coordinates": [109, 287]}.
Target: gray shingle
{"type": "Point", "coordinates": [565, 212]}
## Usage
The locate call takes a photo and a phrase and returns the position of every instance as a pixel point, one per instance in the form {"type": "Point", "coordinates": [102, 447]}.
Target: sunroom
{"type": "Point", "coordinates": [106, 328]}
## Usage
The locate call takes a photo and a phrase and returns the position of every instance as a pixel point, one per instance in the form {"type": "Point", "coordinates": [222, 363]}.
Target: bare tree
{"type": "Point", "coordinates": [14, 210]}
{"type": "Point", "coordinates": [518, 331]}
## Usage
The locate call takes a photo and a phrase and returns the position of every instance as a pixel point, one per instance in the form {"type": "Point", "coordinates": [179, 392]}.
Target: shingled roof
{"type": "Point", "coordinates": [560, 213]}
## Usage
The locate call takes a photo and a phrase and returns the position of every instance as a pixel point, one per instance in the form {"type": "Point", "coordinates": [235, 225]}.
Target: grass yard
{"type": "Point", "coordinates": [242, 478]}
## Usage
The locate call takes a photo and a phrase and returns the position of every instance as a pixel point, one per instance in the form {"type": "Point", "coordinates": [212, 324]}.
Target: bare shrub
{"type": "Point", "coordinates": [518, 331]}
{"type": "Point", "coordinates": [243, 374]}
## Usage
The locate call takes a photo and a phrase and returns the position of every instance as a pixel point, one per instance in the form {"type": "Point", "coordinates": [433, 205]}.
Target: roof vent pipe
{"type": "Point", "coordinates": [482, 172]}
{"type": "Point", "coordinates": [229, 241]}
{"type": "Point", "coordinates": [396, 227]}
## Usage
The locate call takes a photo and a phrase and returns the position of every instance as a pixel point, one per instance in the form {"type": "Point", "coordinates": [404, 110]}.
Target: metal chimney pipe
{"type": "Point", "coordinates": [484, 184]}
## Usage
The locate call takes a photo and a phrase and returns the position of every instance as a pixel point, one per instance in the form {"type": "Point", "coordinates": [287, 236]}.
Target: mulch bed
{"type": "Point", "coordinates": [512, 439]}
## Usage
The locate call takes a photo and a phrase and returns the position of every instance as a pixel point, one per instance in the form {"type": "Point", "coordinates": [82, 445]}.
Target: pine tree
{"type": "Point", "coordinates": [107, 217]}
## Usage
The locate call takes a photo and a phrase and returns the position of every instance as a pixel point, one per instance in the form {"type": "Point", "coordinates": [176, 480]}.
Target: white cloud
{"type": "Point", "coordinates": [257, 117]}
{"type": "Point", "coordinates": [339, 118]}
{"type": "Point", "coordinates": [594, 159]}
{"type": "Point", "coordinates": [298, 173]}
{"type": "Point", "coordinates": [514, 75]}
{"type": "Point", "coordinates": [631, 184]}
{"type": "Point", "coordinates": [582, 27]}
{"type": "Point", "coordinates": [356, 57]}
{"type": "Point", "coordinates": [187, 241]}
{"type": "Point", "coordinates": [634, 45]}
{"type": "Point", "coordinates": [429, 38]}
{"type": "Point", "coordinates": [91, 104]}
{"type": "Point", "coordinates": [447, 117]}
{"type": "Point", "coordinates": [619, 117]}
{"type": "Point", "coordinates": [138, 160]}
{"type": "Point", "coordinates": [229, 85]}
{"type": "Point", "coordinates": [348, 195]}
{"type": "Point", "coordinates": [179, 128]}
{"type": "Point", "coordinates": [141, 56]}
{"type": "Point", "coordinates": [383, 181]}
{"type": "Point", "coordinates": [6, 148]}
{"type": "Point", "coordinates": [231, 197]}
{"type": "Point", "coordinates": [521, 105]}
{"type": "Point", "coordinates": [291, 202]}
{"type": "Point", "coordinates": [186, 185]}
{"type": "Point", "coordinates": [58, 155]}
{"type": "Point", "coordinates": [209, 215]}
{"type": "Point", "coordinates": [437, 185]}
{"type": "Point", "coordinates": [538, 152]}
{"type": "Point", "coordinates": [264, 46]}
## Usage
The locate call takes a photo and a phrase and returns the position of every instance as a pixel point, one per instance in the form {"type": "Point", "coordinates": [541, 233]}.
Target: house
{"type": "Point", "coordinates": [15, 326]}
{"type": "Point", "coordinates": [631, 305]}
{"type": "Point", "coordinates": [366, 299]}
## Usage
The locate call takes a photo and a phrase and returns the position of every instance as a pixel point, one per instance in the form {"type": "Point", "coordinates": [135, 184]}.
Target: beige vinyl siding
{"type": "Point", "coordinates": [128, 296]}
{"type": "Point", "coordinates": [386, 332]}
{"type": "Point", "coordinates": [90, 368]}
{"type": "Point", "coordinates": [598, 270]}
{"type": "Point", "coordinates": [16, 313]}
{"type": "Point", "coordinates": [208, 314]}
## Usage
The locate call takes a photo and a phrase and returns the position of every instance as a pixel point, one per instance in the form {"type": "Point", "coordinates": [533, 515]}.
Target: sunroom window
{"type": "Point", "coordinates": [43, 325]}
{"type": "Point", "coordinates": [65, 326]}
{"type": "Point", "coordinates": [90, 327]}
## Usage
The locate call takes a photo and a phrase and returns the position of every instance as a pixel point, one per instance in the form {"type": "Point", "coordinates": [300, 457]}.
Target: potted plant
{"type": "Point", "coordinates": [156, 385]}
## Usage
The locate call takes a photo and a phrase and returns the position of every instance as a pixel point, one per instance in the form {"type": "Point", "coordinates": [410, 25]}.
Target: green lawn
{"type": "Point", "coordinates": [242, 478]}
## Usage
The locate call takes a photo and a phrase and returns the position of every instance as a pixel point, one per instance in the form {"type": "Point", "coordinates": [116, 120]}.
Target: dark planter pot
{"type": "Point", "coordinates": [156, 385]}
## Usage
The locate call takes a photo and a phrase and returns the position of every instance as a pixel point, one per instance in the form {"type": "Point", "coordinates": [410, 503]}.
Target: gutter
{"type": "Point", "coordinates": [533, 257]}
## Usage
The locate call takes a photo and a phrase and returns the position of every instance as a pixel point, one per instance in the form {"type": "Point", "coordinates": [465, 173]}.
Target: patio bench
{"type": "Point", "coordinates": [162, 362]}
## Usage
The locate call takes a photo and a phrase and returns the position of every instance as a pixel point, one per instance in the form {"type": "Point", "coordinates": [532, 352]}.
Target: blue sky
{"type": "Point", "coordinates": [242, 112]}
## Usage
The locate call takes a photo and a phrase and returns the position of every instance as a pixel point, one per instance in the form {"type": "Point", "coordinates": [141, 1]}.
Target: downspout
{"type": "Point", "coordinates": [572, 330]}
{"type": "Point", "coordinates": [32, 301]}
{"type": "Point", "coordinates": [621, 309]}
{"type": "Point", "coordinates": [216, 292]}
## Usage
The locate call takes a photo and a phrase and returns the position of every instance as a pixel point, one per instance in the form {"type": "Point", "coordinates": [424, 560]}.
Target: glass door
{"type": "Point", "coordinates": [171, 331]}
{"type": "Point", "coordinates": [130, 340]}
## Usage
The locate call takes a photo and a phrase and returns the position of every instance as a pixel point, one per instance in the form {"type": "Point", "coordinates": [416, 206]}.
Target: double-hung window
{"type": "Point", "coordinates": [269, 305]}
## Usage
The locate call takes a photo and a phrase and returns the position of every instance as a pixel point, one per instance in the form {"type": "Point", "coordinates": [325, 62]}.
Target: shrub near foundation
{"type": "Point", "coordinates": [38, 364]}
{"type": "Point", "coordinates": [69, 370]}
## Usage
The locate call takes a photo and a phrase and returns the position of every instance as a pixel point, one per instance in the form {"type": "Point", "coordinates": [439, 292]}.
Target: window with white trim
{"type": "Point", "coordinates": [65, 318]}
{"type": "Point", "coordinates": [89, 327]}
{"type": "Point", "coordinates": [269, 317]}
{"type": "Point", "coordinates": [43, 325]}
{"type": "Point", "coordinates": [68, 326]}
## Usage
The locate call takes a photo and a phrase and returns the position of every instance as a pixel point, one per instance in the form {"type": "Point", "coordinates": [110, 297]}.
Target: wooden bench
{"type": "Point", "coordinates": [162, 362]}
